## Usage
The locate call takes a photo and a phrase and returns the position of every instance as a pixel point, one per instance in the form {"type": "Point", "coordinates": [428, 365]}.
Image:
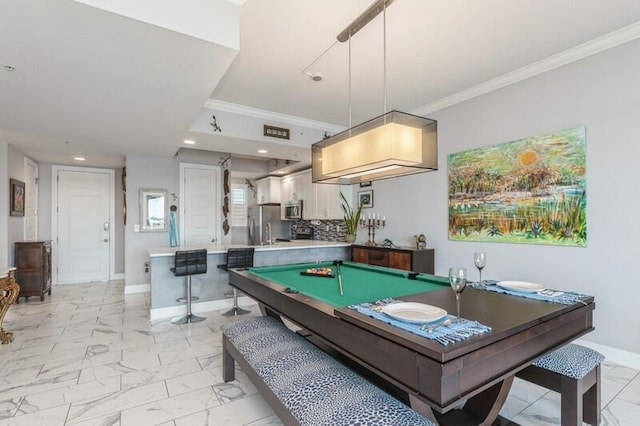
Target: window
{"type": "Point", "coordinates": [238, 205]}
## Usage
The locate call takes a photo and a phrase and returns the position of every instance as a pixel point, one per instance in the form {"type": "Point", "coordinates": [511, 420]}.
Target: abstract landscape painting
{"type": "Point", "coordinates": [530, 191]}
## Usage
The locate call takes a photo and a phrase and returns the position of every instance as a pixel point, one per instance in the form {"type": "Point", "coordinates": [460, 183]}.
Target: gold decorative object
{"type": "Point", "coordinates": [421, 241]}
{"type": "Point", "coordinates": [371, 223]}
{"type": "Point", "coordinates": [9, 291]}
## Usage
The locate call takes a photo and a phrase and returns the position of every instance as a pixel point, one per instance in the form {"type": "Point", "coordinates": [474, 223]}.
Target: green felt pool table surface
{"type": "Point", "coordinates": [360, 282]}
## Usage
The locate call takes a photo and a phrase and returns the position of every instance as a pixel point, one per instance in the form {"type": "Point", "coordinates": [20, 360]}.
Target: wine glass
{"type": "Point", "coordinates": [480, 260]}
{"type": "Point", "coordinates": [458, 281]}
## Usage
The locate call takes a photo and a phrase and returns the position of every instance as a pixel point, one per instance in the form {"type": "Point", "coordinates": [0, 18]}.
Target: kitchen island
{"type": "Point", "coordinates": [212, 286]}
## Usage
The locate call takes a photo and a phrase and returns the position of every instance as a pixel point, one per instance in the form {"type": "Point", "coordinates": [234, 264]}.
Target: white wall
{"type": "Point", "coordinates": [602, 93]}
{"type": "Point", "coordinates": [4, 209]}
{"type": "Point", "coordinates": [145, 172]}
{"type": "Point", "coordinates": [118, 222]}
{"type": "Point", "coordinates": [15, 224]}
{"type": "Point", "coordinates": [12, 228]}
{"type": "Point", "coordinates": [44, 201]}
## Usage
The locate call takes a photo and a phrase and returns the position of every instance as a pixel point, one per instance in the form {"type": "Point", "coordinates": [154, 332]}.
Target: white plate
{"type": "Point", "coordinates": [414, 312]}
{"type": "Point", "coordinates": [521, 286]}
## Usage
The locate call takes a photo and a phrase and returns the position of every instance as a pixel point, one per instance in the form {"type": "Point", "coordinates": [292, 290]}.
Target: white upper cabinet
{"type": "Point", "coordinates": [268, 190]}
{"type": "Point", "coordinates": [292, 187]}
{"type": "Point", "coordinates": [322, 201]}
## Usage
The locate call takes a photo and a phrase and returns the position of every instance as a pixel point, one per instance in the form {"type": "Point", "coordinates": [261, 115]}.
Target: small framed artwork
{"type": "Point", "coordinates": [365, 184]}
{"type": "Point", "coordinates": [16, 194]}
{"type": "Point", "coordinates": [366, 198]}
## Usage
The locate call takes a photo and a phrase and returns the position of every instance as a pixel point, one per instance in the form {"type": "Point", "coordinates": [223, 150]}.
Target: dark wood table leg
{"type": "Point", "coordinates": [488, 404]}
{"type": "Point", "coordinates": [422, 408]}
{"type": "Point", "coordinates": [591, 401]}
{"type": "Point", "coordinates": [228, 363]}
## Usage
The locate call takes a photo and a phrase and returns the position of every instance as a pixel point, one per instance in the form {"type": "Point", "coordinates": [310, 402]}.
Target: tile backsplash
{"type": "Point", "coordinates": [328, 230]}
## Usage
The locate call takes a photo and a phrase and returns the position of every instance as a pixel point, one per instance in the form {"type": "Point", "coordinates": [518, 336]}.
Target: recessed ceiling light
{"type": "Point", "coordinates": [9, 68]}
{"type": "Point", "coordinates": [262, 151]}
{"type": "Point", "coordinates": [189, 142]}
{"type": "Point", "coordinates": [79, 158]}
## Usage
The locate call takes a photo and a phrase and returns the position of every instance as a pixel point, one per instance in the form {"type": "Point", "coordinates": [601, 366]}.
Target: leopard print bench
{"type": "Point", "coordinates": [303, 384]}
{"type": "Point", "coordinates": [574, 372]}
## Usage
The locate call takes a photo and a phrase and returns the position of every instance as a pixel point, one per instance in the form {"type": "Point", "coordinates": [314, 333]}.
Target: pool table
{"type": "Point", "coordinates": [434, 378]}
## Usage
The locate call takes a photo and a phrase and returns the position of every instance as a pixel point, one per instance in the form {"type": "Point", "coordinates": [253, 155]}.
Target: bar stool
{"type": "Point", "coordinates": [237, 258]}
{"type": "Point", "coordinates": [188, 263]}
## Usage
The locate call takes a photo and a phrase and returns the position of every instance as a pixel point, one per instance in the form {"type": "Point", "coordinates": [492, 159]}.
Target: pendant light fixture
{"type": "Point", "coordinates": [393, 144]}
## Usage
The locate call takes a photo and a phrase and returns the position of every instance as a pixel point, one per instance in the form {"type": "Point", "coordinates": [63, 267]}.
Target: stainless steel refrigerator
{"type": "Point", "coordinates": [259, 217]}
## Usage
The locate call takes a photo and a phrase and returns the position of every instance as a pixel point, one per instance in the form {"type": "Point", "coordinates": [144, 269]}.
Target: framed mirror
{"type": "Point", "coordinates": [153, 210]}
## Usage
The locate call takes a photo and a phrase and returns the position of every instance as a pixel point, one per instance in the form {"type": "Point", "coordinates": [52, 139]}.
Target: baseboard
{"type": "Point", "coordinates": [201, 308]}
{"type": "Point", "coordinates": [614, 355]}
{"type": "Point", "coordinates": [138, 288]}
{"type": "Point", "coordinates": [117, 276]}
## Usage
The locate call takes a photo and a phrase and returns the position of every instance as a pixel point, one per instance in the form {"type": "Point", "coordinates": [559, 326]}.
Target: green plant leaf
{"type": "Point", "coordinates": [351, 218]}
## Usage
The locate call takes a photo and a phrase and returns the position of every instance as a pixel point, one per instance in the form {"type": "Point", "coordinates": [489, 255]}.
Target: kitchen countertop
{"type": "Point", "coordinates": [220, 249]}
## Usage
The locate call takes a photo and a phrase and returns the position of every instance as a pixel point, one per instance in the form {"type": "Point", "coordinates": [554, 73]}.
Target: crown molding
{"type": "Point", "coordinates": [595, 46]}
{"type": "Point", "coordinates": [600, 44]}
{"type": "Point", "coordinates": [270, 115]}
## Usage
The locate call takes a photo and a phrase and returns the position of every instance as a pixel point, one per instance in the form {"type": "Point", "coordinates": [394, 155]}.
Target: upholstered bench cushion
{"type": "Point", "coordinates": [314, 387]}
{"type": "Point", "coordinates": [572, 360]}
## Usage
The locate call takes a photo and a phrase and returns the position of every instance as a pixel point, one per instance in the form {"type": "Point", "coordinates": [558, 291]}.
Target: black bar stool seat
{"type": "Point", "coordinates": [237, 258]}
{"type": "Point", "coordinates": [188, 263]}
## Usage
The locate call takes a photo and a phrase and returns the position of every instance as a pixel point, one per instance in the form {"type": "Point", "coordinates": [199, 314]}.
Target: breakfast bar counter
{"type": "Point", "coordinates": [212, 286]}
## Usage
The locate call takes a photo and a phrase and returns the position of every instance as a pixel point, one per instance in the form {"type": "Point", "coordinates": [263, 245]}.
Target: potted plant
{"type": "Point", "coordinates": [351, 219]}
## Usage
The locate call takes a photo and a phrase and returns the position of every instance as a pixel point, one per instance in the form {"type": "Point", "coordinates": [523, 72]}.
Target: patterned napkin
{"type": "Point", "coordinates": [561, 297]}
{"type": "Point", "coordinates": [447, 330]}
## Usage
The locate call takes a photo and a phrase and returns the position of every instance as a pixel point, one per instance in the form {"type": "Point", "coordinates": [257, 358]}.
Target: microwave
{"type": "Point", "coordinates": [293, 210]}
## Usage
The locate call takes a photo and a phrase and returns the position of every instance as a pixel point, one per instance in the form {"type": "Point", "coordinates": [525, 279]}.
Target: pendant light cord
{"type": "Point", "coordinates": [352, 29]}
{"type": "Point", "coordinates": [350, 124]}
{"type": "Point", "coordinates": [384, 51]}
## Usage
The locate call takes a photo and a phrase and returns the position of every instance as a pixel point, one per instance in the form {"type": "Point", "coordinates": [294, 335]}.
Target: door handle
{"type": "Point", "coordinates": [106, 240]}
{"type": "Point", "coordinates": [105, 226]}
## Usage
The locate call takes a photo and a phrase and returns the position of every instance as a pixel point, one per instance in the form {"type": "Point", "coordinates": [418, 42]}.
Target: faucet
{"type": "Point", "coordinates": [268, 226]}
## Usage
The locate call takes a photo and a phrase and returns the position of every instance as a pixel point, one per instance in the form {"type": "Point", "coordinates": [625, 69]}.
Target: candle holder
{"type": "Point", "coordinates": [372, 223]}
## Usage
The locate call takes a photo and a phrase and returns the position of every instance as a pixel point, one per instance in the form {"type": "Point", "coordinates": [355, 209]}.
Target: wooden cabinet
{"type": "Point", "coordinates": [408, 259]}
{"type": "Point", "coordinates": [33, 268]}
{"type": "Point", "coordinates": [268, 190]}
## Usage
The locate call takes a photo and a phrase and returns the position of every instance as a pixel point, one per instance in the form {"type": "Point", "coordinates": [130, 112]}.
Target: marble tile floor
{"type": "Point", "coordinates": [88, 355]}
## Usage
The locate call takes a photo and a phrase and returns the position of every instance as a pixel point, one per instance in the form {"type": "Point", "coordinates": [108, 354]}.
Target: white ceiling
{"type": "Point", "coordinates": [98, 84]}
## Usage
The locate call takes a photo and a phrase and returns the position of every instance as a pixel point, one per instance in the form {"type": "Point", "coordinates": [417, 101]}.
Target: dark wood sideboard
{"type": "Point", "coordinates": [408, 259]}
{"type": "Point", "coordinates": [33, 268]}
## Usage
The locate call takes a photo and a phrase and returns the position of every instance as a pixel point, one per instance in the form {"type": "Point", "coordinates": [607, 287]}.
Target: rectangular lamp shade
{"type": "Point", "coordinates": [394, 144]}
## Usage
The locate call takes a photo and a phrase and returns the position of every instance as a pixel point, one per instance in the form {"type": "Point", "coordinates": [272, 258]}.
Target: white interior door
{"type": "Point", "coordinates": [201, 204]}
{"type": "Point", "coordinates": [83, 224]}
{"type": "Point", "coordinates": [30, 200]}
